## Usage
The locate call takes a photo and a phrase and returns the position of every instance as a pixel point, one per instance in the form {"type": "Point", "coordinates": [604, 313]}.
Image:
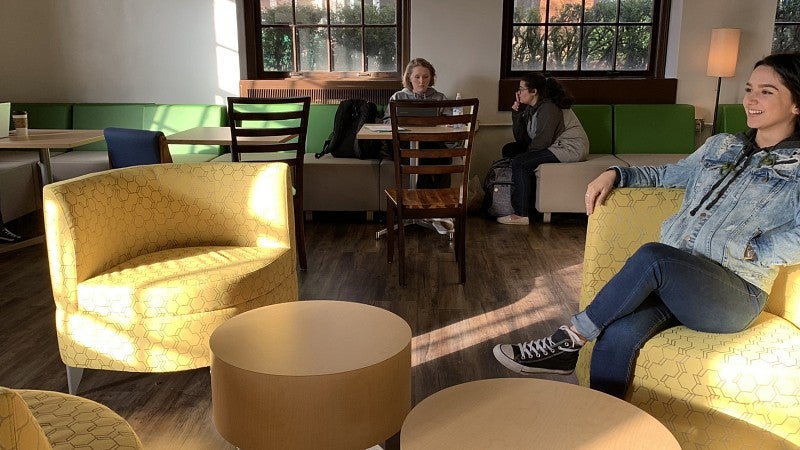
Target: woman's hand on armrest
{"type": "Point", "coordinates": [598, 189]}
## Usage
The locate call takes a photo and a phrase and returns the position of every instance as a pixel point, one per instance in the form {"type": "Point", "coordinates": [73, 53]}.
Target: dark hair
{"type": "Point", "coordinates": [787, 66]}
{"type": "Point", "coordinates": [549, 89]}
{"type": "Point", "coordinates": [418, 62]}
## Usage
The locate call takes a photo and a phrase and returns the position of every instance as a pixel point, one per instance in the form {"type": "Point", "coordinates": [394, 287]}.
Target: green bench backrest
{"type": "Point", "coordinates": [49, 116]}
{"type": "Point", "coordinates": [99, 116]}
{"type": "Point", "coordinates": [657, 129]}
{"type": "Point", "coordinates": [320, 126]}
{"type": "Point", "coordinates": [171, 119]}
{"type": "Point", "coordinates": [597, 121]}
{"type": "Point", "coordinates": [731, 119]}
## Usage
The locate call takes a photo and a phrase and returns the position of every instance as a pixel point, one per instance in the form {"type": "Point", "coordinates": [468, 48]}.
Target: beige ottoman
{"type": "Point", "coordinates": [516, 413]}
{"type": "Point", "coordinates": [311, 375]}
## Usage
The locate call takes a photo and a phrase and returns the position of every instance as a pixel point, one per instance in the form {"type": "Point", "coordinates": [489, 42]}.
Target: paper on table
{"type": "Point", "coordinates": [383, 128]}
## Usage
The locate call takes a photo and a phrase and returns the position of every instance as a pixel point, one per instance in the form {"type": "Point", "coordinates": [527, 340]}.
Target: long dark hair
{"type": "Point", "coordinates": [549, 89]}
{"type": "Point", "coordinates": [787, 66]}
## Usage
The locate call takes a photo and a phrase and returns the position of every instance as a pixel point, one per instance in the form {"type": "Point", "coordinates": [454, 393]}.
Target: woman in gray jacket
{"type": "Point", "coordinates": [418, 80]}
{"type": "Point", "coordinates": [546, 130]}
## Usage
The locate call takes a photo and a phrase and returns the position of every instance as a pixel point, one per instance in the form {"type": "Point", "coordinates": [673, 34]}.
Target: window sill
{"type": "Point", "coordinates": [602, 90]}
{"type": "Point", "coordinates": [330, 91]}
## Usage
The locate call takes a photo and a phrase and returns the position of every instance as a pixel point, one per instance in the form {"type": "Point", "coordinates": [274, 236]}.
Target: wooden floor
{"type": "Point", "coordinates": [522, 283]}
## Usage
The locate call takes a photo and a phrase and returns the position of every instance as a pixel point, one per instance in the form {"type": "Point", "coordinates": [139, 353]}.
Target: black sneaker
{"type": "Point", "coordinates": [554, 354]}
{"type": "Point", "coordinates": [7, 236]}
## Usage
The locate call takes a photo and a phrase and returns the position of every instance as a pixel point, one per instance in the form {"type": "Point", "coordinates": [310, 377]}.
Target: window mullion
{"type": "Point", "coordinates": [329, 34]}
{"type": "Point", "coordinates": [295, 38]}
{"type": "Point", "coordinates": [545, 47]}
{"type": "Point", "coordinates": [615, 44]}
{"type": "Point", "coordinates": [363, 38]}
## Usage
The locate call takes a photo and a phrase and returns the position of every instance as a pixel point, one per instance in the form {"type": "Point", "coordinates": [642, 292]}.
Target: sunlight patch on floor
{"type": "Point", "coordinates": [479, 329]}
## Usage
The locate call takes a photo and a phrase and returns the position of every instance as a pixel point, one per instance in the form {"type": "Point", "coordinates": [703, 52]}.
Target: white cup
{"type": "Point", "coordinates": [20, 119]}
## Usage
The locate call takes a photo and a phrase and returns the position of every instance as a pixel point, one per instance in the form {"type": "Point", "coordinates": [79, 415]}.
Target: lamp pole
{"type": "Point", "coordinates": [716, 106]}
{"type": "Point", "coordinates": [722, 55]}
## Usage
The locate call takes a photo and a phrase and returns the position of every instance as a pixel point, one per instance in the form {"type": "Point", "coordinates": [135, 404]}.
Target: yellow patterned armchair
{"type": "Point", "coordinates": [146, 261]}
{"type": "Point", "coordinates": [40, 420]}
{"type": "Point", "coordinates": [724, 391]}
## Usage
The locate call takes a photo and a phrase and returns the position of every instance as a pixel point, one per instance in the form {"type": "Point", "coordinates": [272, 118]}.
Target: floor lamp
{"type": "Point", "coordinates": [722, 55]}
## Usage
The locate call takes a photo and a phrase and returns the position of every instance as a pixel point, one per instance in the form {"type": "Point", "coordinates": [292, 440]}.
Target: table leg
{"type": "Point", "coordinates": [45, 169]}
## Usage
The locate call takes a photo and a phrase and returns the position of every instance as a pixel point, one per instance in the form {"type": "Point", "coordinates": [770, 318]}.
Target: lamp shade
{"type": "Point", "coordinates": [723, 52]}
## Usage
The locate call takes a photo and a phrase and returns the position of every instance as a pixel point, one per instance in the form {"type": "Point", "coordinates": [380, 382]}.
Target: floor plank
{"type": "Point", "coordinates": [522, 282]}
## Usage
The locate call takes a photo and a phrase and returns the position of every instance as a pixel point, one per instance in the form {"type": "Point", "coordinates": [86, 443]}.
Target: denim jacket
{"type": "Point", "coordinates": [726, 207]}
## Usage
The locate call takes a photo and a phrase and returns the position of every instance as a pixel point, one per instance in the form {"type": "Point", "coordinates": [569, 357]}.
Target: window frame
{"type": "Point", "coordinates": [779, 24]}
{"type": "Point", "coordinates": [254, 52]}
{"type": "Point", "coordinates": [658, 52]}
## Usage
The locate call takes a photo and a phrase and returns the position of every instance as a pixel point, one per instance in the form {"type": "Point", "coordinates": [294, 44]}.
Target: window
{"type": "Point", "coordinates": [584, 38]}
{"type": "Point", "coordinates": [787, 27]}
{"type": "Point", "coordinates": [346, 37]}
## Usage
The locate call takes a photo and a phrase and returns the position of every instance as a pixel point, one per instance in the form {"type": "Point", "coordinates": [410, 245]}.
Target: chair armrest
{"type": "Point", "coordinates": [629, 218]}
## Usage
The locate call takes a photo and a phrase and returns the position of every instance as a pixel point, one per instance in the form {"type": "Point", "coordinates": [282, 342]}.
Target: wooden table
{"type": "Point", "coordinates": [311, 375]}
{"type": "Point", "coordinates": [220, 136]}
{"type": "Point", "coordinates": [366, 133]}
{"type": "Point", "coordinates": [516, 413]}
{"type": "Point", "coordinates": [44, 140]}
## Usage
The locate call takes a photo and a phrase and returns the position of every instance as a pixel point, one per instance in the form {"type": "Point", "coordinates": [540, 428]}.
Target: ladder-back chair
{"type": "Point", "coordinates": [273, 129]}
{"type": "Point", "coordinates": [455, 133]}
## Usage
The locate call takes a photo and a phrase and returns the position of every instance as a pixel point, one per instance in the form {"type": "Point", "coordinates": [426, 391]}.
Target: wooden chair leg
{"type": "Point", "coordinates": [300, 237]}
{"type": "Point", "coordinates": [390, 219]}
{"type": "Point", "coordinates": [401, 250]}
{"type": "Point", "coordinates": [461, 245]}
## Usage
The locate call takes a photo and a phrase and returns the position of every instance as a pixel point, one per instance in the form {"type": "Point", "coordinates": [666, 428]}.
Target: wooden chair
{"type": "Point", "coordinates": [417, 126]}
{"type": "Point", "coordinates": [273, 129]}
{"type": "Point", "coordinates": [129, 147]}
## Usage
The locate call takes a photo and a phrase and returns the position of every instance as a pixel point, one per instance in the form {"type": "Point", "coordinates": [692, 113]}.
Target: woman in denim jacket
{"type": "Point", "coordinates": [718, 255]}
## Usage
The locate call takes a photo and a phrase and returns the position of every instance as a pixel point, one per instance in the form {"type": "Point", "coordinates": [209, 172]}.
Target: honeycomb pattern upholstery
{"type": "Point", "coordinates": [39, 420]}
{"type": "Point", "coordinates": [147, 261]}
{"type": "Point", "coordinates": [713, 391]}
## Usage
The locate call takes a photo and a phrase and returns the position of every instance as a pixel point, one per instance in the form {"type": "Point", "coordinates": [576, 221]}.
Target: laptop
{"type": "Point", "coordinates": [5, 117]}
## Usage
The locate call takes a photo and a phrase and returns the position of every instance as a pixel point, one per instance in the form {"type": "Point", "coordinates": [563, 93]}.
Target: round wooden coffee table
{"type": "Point", "coordinates": [529, 413]}
{"type": "Point", "coordinates": [311, 374]}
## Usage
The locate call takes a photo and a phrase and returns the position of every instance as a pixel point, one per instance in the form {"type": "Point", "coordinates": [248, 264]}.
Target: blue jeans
{"type": "Point", "coordinates": [657, 288]}
{"type": "Point", "coordinates": [522, 175]}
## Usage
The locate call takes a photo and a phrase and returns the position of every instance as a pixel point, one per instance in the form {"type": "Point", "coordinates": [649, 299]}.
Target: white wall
{"type": "Point", "coordinates": [186, 51]}
{"type": "Point", "coordinates": [176, 51]}
{"type": "Point", "coordinates": [698, 18]}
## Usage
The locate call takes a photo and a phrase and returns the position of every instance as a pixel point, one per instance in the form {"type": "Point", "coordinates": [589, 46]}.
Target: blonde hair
{"type": "Point", "coordinates": [417, 62]}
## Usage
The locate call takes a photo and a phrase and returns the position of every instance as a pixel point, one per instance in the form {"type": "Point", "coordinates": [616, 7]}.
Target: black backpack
{"type": "Point", "coordinates": [350, 116]}
{"type": "Point", "coordinates": [497, 188]}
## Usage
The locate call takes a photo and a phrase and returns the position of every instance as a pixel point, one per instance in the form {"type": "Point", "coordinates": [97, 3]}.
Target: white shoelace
{"type": "Point", "coordinates": [546, 346]}
{"type": "Point", "coordinates": [538, 347]}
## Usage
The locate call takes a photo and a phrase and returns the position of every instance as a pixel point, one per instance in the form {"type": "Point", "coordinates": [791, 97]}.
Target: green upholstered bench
{"type": "Point", "coordinates": [653, 134]}
{"type": "Point", "coordinates": [48, 116]}
{"type": "Point", "coordinates": [561, 187]}
{"type": "Point", "coordinates": [624, 135]}
{"type": "Point", "coordinates": [338, 184]}
{"type": "Point", "coordinates": [731, 118]}
{"type": "Point", "coordinates": [168, 118]}
{"type": "Point", "coordinates": [19, 184]}
{"type": "Point", "coordinates": [172, 118]}
{"type": "Point", "coordinates": [93, 157]}
{"type": "Point", "coordinates": [19, 179]}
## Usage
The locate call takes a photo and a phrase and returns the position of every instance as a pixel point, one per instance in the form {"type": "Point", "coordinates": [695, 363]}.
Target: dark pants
{"type": "Point", "coordinates": [523, 168]}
